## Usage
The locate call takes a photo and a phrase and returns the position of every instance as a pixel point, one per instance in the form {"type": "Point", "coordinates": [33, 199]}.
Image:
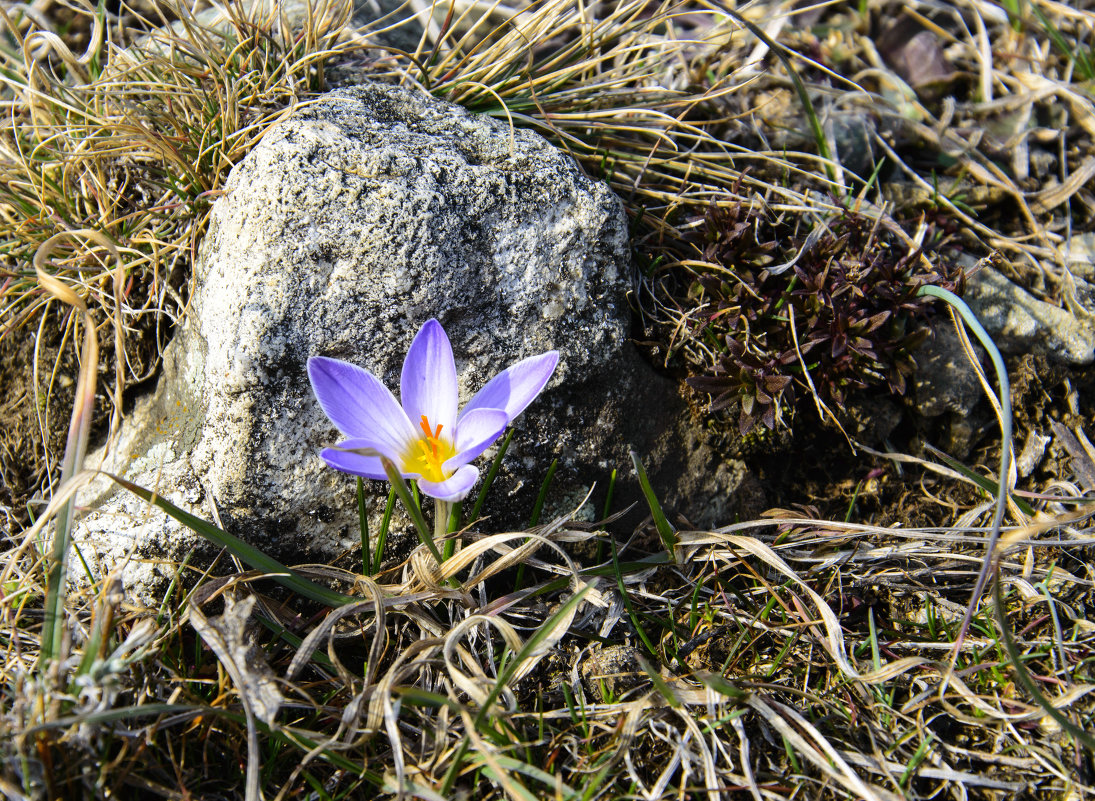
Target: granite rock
{"type": "Point", "coordinates": [1020, 323]}
{"type": "Point", "coordinates": [613, 671]}
{"type": "Point", "coordinates": [946, 388]}
{"type": "Point", "coordinates": [945, 381]}
{"type": "Point", "coordinates": [369, 212]}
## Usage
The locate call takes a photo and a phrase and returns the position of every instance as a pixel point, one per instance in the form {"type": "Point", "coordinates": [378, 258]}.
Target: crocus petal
{"type": "Point", "coordinates": [453, 488]}
{"type": "Point", "coordinates": [428, 384]}
{"type": "Point", "coordinates": [359, 405]}
{"type": "Point", "coordinates": [515, 387]}
{"type": "Point", "coordinates": [356, 464]}
{"type": "Point", "coordinates": [474, 434]}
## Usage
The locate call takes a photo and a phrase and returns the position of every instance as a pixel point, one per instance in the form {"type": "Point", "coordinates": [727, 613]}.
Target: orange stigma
{"type": "Point", "coordinates": [428, 454]}
{"type": "Point", "coordinates": [431, 445]}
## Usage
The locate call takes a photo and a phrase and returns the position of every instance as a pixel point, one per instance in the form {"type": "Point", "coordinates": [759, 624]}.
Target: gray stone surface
{"type": "Point", "coordinates": [351, 224]}
{"type": "Point", "coordinates": [945, 381]}
{"type": "Point", "coordinates": [613, 671]}
{"type": "Point", "coordinates": [1020, 323]}
{"type": "Point", "coordinates": [946, 386]}
{"type": "Point", "coordinates": [1079, 252]}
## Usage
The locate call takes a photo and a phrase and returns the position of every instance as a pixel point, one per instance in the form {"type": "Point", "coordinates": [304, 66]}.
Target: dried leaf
{"type": "Point", "coordinates": [915, 53]}
{"type": "Point", "coordinates": [227, 636]}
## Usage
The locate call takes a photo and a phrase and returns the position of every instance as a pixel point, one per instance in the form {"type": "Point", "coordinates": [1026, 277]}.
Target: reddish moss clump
{"type": "Point", "coordinates": [851, 293]}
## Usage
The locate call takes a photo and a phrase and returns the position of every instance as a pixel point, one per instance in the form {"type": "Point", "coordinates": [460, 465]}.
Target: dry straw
{"type": "Point", "coordinates": [777, 658]}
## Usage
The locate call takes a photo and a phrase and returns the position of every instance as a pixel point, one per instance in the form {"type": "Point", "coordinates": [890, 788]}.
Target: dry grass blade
{"type": "Point", "coordinates": [1079, 448]}
{"type": "Point", "coordinates": [835, 637]}
{"type": "Point", "coordinates": [258, 691]}
{"type": "Point", "coordinates": [78, 433]}
{"type": "Point", "coordinates": [133, 140]}
{"type": "Point", "coordinates": [311, 642]}
{"type": "Point", "coordinates": [808, 741]}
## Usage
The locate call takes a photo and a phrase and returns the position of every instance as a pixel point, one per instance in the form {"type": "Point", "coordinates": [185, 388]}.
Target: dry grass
{"type": "Point", "coordinates": [132, 139]}
{"type": "Point", "coordinates": [779, 658]}
{"type": "Point", "coordinates": [784, 655]}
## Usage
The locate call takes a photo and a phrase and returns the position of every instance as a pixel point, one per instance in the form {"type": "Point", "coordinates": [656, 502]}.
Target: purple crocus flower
{"type": "Point", "coordinates": [424, 438]}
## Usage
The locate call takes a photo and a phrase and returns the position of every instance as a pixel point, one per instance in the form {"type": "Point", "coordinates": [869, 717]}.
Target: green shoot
{"type": "Point", "coordinates": [665, 530]}
{"type": "Point", "coordinates": [363, 523]}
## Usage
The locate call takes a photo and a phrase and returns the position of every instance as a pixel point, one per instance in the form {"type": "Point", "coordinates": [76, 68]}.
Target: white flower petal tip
{"type": "Point", "coordinates": [475, 433]}
{"type": "Point", "coordinates": [513, 389]}
{"type": "Point", "coordinates": [455, 488]}
{"type": "Point", "coordinates": [343, 457]}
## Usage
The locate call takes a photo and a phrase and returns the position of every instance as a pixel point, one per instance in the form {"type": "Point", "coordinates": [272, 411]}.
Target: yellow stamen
{"type": "Point", "coordinates": [428, 454]}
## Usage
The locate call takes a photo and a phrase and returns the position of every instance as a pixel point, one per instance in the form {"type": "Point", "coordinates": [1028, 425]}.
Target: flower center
{"type": "Point", "coordinates": [427, 454]}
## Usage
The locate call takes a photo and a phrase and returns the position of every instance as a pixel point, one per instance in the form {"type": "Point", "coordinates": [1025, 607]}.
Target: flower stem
{"type": "Point", "coordinates": [441, 523]}
{"type": "Point", "coordinates": [456, 514]}
{"type": "Point", "coordinates": [413, 508]}
{"type": "Point", "coordinates": [363, 522]}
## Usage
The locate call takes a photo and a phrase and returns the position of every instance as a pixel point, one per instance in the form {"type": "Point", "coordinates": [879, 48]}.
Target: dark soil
{"type": "Point", "coordinates": [35, 410]}
{"type": "Point", "coordinates": [813, 471]}
{"type": "Point", "coordinates": [39, 367]}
